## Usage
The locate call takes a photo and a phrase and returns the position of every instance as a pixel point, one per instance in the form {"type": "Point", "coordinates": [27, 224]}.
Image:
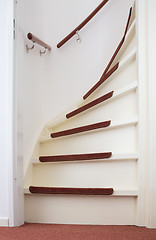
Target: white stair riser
{"type": "Point", "coordinates": [122, 140]}
{"type": "Point", "coordinates": [63, 209]}
{"type": "Point", "coordinates": [120, 174]}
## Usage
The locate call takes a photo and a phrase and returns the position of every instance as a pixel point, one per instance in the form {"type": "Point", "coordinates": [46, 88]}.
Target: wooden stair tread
{"type": "Point", "coordinates": [90, 104]}
{"type": "Point", "coordinates": [81, 129]}
{"type": "Point", "coordinates": [69, 190]}
{"type": "Point", "coordinates": [75, 157]}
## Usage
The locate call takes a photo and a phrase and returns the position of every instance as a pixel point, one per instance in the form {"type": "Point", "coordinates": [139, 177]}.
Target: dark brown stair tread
{"type": "Point", "coordinates": [75, 157]}
{"type": "Point", "coordinates": [68, 190]}
{"type": "Point", "coordinates": [90, 104]}
{"type": "Point", "coordinates": [81, 129]}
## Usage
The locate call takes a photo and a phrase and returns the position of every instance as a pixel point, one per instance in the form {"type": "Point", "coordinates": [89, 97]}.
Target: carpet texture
{"type": "Point", "coordinates": [76, 232]}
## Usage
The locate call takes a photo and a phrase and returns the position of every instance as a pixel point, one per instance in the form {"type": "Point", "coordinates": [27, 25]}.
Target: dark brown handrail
{"type": "Point", "coordinates": [90, 104]}
{"type": "Point", "coordinates": [75, 157]}
{"type": "Point", "coordinates": [81, 129]}
{"type": "Point", "coordinates": [37, 40]}
{"type": "Point", "coordinates": [68, 190]}
{"type": "Point", "coordinates": [82, 24]}
{"type": "Point", "coordinates": [106, 74]}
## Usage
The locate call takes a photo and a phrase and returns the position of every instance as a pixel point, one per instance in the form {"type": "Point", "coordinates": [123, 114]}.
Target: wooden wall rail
{"type": "Point", "coordinates": [81, 129]}
{"type": "Point", "coordinates": [106, 74]}
{"type": "Point", "coordinates": [82, 24]}
{"type": "Point", "coordinates": [38, 41]}
{"type": "Point", "coordinates": [75, 157]}
{"type": "Point", "coordinates": [90, 104]}
{"type": "Point", "coordinates": [67, 190]}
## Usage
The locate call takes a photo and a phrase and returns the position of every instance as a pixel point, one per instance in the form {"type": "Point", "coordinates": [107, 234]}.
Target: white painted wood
{"type": "Point", "coordinates": [120, 170]}
{"type": "Point", "coordinates": [151, 181]}
{"type": "Point", "coordinates": [141, 28]}
{"type": "Point", "coordinates": [62, 117]}
{"type": "Point", "coordinates": [103, 210]}
{"type": "Point", "coordinates": [133, 25]}
{"type": "Point", "coordinates": [4, 222]}
{"type": "Point", "coordinates": [121, 192]}
{"type": "Point", "coordinates": [114, 157]}
{"type": "Point", "coordinates": [116, 174]}
{"type": "Point", "coordinates": [45, 139]}
{"type": "Point", "coordinates": [124, 157]}
{"type": "Point", "coordinates": [125, 193]}
{"type": "Point", "coordinates": [11, 198]}
{"type": "Point", "coordinates": [123, 123]}
{"type": "Point", "coordinates": [127, 58]}
{"type": "Point", "coordinates": [114, 124]}
{"type": "Point", "coordinates": [128, 89]}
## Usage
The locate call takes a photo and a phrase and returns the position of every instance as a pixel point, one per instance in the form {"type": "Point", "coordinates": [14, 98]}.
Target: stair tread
{"type": "Point", "coordinates": [71, 190]}
{"type": "Point", "coordinates": [90, 104]}
{"type": "Point", "coordinates": [75, 157]}
{"type": "Point", "coordinates": [81, 129]}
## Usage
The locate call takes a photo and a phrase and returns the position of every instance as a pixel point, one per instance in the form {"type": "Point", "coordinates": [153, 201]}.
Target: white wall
{"type": "Point", "coordinates": [53, 82]}
{"type": "Point", "coordinates": [30, 74]}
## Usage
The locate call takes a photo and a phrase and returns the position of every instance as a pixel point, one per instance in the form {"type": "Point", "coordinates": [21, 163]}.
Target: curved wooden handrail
{"type": "Point", "coordinates": [69, 190]}
{"type": "Point", "coordinates": [70, 35]}
{"type": "Point", "coordinates": [106, 74]}
{"type": "Point", "coordinates": [81, 129]}
{"type": "Point", "coordinates": [90, 105]}
{"type": "Point", "coordinates": [75, 157]}
{"type": "Point", "coordinates": [37, 40]}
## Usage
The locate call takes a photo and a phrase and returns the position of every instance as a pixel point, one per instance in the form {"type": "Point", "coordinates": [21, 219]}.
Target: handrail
{"type": "Point", "coordinates": [81, 129]}
{"type": "Point", "coordinates": [106, 74]}
{"type": "Point", "coordinates": [70, 35]}
{"type": "Point", "coordinates": [75, 157]}
{"type": "Point", "coordinates": [34, 39]}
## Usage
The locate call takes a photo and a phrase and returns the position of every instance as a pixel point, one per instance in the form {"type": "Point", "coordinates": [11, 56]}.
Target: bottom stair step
{"type": "Point", "coordinates": [77, 191]}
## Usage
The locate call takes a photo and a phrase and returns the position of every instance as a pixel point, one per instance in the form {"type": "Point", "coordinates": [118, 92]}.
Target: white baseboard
{"type": "Point", "coordinates": [4, 222]}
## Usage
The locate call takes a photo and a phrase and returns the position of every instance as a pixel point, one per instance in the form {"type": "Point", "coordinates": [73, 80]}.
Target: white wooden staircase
{"type": "Point", "coordinates": [85, 164]}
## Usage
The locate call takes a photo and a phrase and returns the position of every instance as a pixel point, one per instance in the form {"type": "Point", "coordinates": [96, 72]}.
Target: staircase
{"type": "Point", "coordinates": [85, 164]}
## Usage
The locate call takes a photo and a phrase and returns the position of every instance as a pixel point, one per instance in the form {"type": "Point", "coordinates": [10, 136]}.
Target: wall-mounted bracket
{"type": "Point", "coordinates": [78, 36]}
{"type": "Point", "coordinates": [43, 52]}
{"type": "Point", "coordinates": [29, 48]}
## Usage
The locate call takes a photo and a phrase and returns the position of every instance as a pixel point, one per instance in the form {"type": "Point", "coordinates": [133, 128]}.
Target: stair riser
{"type": "Point", "coordinates": [122, 140]}
{"type": "Point", "coordinates": [119, 175]}
{"type": "Point", "coordinates": [104, 210]}
{"type": "Point", "coordinates": [115, 110]}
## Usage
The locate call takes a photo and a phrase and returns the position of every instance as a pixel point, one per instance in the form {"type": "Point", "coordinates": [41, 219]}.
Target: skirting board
{"type": "Point", "coordinates": [4, 222]}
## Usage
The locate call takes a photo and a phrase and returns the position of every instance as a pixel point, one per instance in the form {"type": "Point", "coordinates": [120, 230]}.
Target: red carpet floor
{"type": "Point", "coordinates": [76, 232]}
